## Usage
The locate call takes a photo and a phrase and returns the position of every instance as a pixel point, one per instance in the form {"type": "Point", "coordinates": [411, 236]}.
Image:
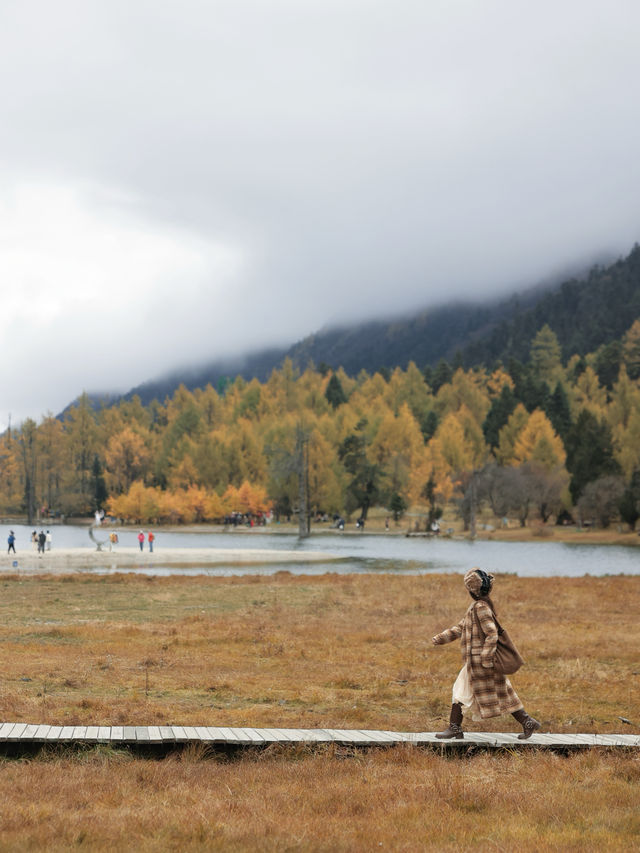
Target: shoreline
{"type": "Point", "coordinates": [79, 559]}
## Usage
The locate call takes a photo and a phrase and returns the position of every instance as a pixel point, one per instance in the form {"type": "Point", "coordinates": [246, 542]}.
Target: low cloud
{"type": "Point", "coordinates": [183, 183]}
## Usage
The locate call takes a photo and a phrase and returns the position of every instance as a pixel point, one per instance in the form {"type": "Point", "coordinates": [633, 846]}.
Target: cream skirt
{"type": "Point", "coordinates": [463, 694]}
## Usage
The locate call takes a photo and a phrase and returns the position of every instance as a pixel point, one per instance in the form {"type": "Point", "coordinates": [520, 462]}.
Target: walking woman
{"type": "Point", "coordinates": [479, 690]}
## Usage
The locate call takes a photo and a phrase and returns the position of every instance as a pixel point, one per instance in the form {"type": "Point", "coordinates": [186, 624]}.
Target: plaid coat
{"type": "Point", "coordinates": [492, 690]}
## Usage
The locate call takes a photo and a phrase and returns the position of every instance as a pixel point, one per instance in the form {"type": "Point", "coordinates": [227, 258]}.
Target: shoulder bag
{"type": "Point", "coordinates": [507, 658]}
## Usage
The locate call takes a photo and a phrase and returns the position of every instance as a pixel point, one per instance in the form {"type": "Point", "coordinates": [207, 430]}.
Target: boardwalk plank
{"type": "Point", "coordinates": [17, 731]}
{"type": "Point", "coordinates": [5, 730]}
{"type": "Point", "coordinates": [41, 732]}
{"type": "Point", "coordinates": [28, 733]}
{"type": "Point", "coordinates": [307, 735]}
{"type": "Point", "coordinates": [345, 736]}
{"type": "Point", "coordinates": [240, 735]}
{"type": "Point", "coordinates": [216, 734]}
{"type": "Point", "coordinates": [25, 733]}
{"type": "Point", "coordinates": [275, 736]}
{"type": "Point", "coordinates": [254, 735]}
{"type": "Point", "coordinates": [202, 732]}
{"type": "Point", "coordinates": [379, 736]}
{"type": "Point", "coordinates": [54, 733]}
{"type": "Point", "coordinates": [228, 735]}
{"type": "Point", "coordinates": [179, 733]}
{"type": "Point", "coordinates": [191, 733]}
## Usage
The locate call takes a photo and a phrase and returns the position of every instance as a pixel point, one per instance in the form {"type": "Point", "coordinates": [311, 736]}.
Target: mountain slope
{"type": "Point", "coordinates": [585, 313]}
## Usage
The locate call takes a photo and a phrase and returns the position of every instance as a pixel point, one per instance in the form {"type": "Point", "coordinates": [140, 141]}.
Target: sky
{"type": "Point", "coordinates": [182, 181]}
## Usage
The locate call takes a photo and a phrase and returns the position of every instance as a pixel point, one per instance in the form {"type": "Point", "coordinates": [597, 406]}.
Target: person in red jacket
{"type": "Point", "coordinates": [141, 539]}
{"type": "Point", "coordinates": [151, 538]}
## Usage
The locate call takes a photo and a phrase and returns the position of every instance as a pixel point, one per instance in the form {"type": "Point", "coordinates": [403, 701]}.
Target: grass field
{"type": "Point", "coordinates": [329, 651]}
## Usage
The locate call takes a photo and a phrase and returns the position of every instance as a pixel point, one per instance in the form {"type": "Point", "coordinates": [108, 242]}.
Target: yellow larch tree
{"type": "Point", "coordinates": [546, 355]}
{"type": "Point", "coordinates": [625, 399]}
{"type": "Point", "coordinates": [509, 433]}
{"type": "Point", "coordinates": [11, 480]}
{"type": "Point", "coordinates": [626, 442]}
{"type": "Point", "coordinates": [210, 404]}
{"type": "Point", "coordinates": [325, 487]}
{"type": "Point", "coordinates": [631, 350]}
{"type": "Point", "coordinates": [395, 448]}
{"type": "Point", "coordinates": [496, 382]}
{"type": "Point", "coordinates": [465, 389]}
{"type": "Point", "coordinates": [588, 393]}
{"type": "Point", "coordinates": [141, 504]}
{"type": "Point", "coordinates": [538, 444]}
{"type": "Point", "coordinates": [126, 459]}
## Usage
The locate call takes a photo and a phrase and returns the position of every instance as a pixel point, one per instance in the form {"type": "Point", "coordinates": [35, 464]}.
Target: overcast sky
{"type": "Point", "coordinates": [185, 180]}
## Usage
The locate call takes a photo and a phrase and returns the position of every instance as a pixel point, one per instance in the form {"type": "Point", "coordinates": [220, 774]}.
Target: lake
{"type": "Point", "coordinates": [355, 553]}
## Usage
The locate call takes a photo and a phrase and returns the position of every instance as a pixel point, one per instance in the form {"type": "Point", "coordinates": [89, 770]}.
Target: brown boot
{"type": "Point", "coordinates": [529, 725]}
{"type": "Point", "coordinates": [455, 724]}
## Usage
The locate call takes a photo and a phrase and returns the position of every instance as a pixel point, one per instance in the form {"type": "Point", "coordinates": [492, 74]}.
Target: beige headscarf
{"type": "Point", "coordinates": [475, 579]}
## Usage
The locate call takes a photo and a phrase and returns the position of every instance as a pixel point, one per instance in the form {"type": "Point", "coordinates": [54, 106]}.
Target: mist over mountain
{"type": "Point", "coordinates": [586, 311]}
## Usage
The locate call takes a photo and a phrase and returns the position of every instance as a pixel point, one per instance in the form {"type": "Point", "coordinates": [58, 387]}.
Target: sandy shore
{"type": "Point", "coordinates": [77, 559]}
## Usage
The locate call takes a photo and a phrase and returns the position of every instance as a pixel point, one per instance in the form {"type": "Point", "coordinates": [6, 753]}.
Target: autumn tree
{"type": "Point", "coordinates": [600, 500]}
{"type": "Point", "coordinates": [126, 459]}
{"type": "Point", "coordinates": [631, 350]}
{"type": "Point", "coordinates": [545, 354]}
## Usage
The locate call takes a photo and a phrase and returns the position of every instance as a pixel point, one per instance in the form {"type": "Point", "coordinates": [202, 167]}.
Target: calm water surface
{"type": "Point", "coordinates": [353, 553]}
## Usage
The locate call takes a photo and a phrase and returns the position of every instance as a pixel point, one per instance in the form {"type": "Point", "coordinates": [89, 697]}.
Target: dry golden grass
{"type": "Point", "coordinates": [330, 651]}
{"type": "Point", "coordinates": [396, 799]}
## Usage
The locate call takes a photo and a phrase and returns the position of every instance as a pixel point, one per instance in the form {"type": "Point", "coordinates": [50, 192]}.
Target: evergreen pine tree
{"type": "Point", "coordinates": [589, 452]}
{"type": "Point", "coordinates": [498, 415]}
{"type": "Point", "coordinates": [558, 411]}
{"type": "Point", "coordinates": [335, 392]}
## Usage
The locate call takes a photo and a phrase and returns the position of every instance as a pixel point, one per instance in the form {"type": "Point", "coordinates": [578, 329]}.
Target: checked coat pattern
{"type": "Point", "coordinates": [478, 638]}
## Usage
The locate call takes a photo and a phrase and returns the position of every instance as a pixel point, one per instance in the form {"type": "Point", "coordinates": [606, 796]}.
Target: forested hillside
{"type": "Point", "coordinates": [585, 313]}
{"type": "Point", "coordinates": [531, 439]}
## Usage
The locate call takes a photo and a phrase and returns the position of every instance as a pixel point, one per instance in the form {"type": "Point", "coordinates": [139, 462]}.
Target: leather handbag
{"type": "Point", "coordinates": [507, 658]}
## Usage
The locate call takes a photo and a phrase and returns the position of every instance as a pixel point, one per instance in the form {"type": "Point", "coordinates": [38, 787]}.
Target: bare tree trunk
{"type": "Point", "coordinates": [302, 454]}
{"type": "Point", "coordinates": [472, 508]}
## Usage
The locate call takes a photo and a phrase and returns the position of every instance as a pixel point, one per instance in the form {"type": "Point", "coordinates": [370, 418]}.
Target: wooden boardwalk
{"type": "Point", "coordinates": [25, 734]}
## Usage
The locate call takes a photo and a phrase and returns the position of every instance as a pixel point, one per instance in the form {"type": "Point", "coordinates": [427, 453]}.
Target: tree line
{"type": "Point", "coordinates": [544, 438]}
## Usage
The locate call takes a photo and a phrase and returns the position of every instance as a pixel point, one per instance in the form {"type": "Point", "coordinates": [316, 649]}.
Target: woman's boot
{"type": "Point", "coordinates": [529, 725]}
{"type": "Point", "coordinates": [455, 724]}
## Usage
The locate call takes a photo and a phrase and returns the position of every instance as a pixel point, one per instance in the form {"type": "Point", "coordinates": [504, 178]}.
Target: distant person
{"type": "Point", "coordinates": [113, 539]}
{"type": "Point", "coordinates": [11, 539]}
{"type": "Point", "coordinates": [34, 540]}
{"type": "Point", "coordinates": [151, 537]}
{"type": "Point", "coordinates": [479, 689]}
{"type": "Point", "coordinates": [48, 540]}
{"type": "Point", "coordinates": [42, 540]}
{"type": "Point", "coordinates": [141, 540]}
